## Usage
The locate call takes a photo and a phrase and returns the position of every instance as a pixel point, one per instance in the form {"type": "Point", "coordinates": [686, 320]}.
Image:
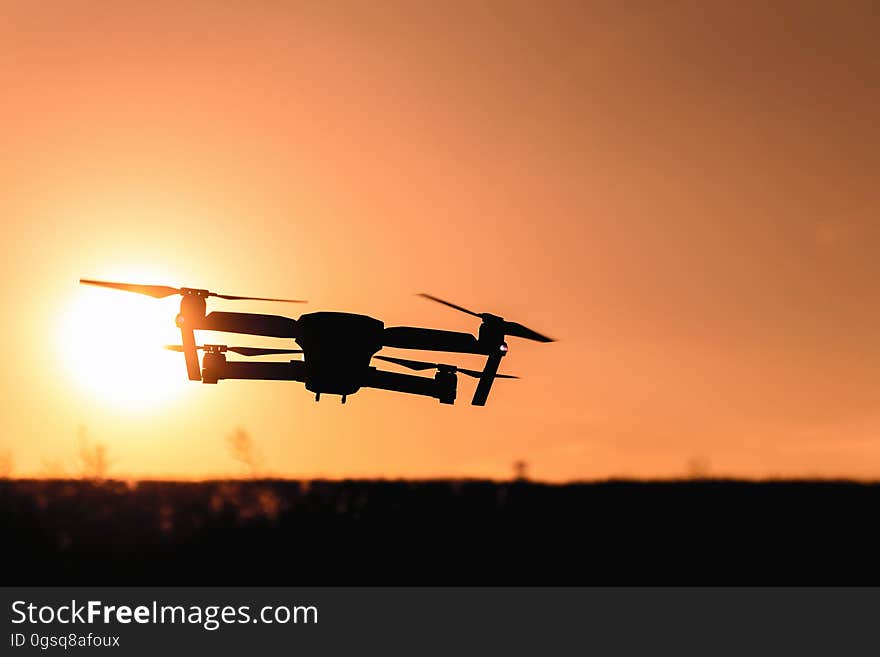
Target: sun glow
{"type": "Point", "coordinates": [111, 343]}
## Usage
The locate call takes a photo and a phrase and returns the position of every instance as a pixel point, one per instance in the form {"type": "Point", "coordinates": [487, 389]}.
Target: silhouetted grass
{"type": "Point", "coordinates": [439, 532]}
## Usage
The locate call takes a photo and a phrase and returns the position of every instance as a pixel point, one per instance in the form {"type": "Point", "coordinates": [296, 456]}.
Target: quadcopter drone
{"type": "Point", "coordinates": [337, 348]}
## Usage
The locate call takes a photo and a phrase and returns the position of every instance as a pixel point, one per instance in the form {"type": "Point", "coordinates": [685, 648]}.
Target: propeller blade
{"type": "Point", "coordinates": [518, 330]}
{"type": "Point", "coordinates": [411, 364]}
{"type": "Point", "coordinates": [244, 351]}
{"type": "Point", "coordinates": [509, 328]}
{"type": "Point", "coordinates": [232, 297]}
{"type": "Point", "coordinates": [422, 365]}
{"type": "Point", "coordinates": [156, 291]}
{"type": "Point", "coordinates": [449, 303]}
{"type": "Point", "coordinates": [162, 291]}
{"type": "Point", "coordinates": [260, 351]}
{"type": "Point", "coordinates": [477, 374]}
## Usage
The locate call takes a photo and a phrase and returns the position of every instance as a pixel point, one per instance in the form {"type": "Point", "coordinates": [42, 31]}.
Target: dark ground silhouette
{"type": "Point", "coordinates": [439, 532]}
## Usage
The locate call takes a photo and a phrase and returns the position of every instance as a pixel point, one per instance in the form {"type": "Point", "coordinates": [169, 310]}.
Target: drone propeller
{"type": "Point", "coordinates": [507, 328]}
{"type": "Point", "coordinates": [162, 291]}
{"type": "Point", "coordinates": [421, 365]}
{"type": "Point", "coordinates": [244, 351]}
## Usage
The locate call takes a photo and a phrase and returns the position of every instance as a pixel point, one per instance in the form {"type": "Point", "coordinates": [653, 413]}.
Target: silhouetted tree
{"type": "Point", "coordinates": [520, 471]}
{"type": "Point", "coordinates": [243, 450]}
{"type": "Point", "coordinates": [698, 467]}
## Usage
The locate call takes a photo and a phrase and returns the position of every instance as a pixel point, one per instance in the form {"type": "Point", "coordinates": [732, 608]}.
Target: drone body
{"type": "Point", "coordinates": [337, 347]}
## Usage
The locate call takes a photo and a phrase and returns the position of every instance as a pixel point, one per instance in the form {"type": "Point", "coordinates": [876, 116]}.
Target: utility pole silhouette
{"type": "Point", "coordinates": [520, 471]}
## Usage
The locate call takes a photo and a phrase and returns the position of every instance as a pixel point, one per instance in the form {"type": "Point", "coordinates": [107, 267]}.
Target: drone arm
{"type": "Point", "coordinates": [481, 394]}
{"type": "Point", "coordinates": [410, 337]}
{"type": "Point", "coordinates": [272, 326]}
{"type": "Point", "coordinates": [408, 383]}
{"type": "Point", "coordinates": [292, 371]}
{"type": "Point", "coordinates": [188, 341]}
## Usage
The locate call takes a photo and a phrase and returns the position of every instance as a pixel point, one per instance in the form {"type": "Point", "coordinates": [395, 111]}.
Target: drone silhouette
{"type": "Point", "coordinates": [337, 348]}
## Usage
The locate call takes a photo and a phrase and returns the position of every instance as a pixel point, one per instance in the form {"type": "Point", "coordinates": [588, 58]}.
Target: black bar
{"type": "Point", "coordinates": [410, 621]}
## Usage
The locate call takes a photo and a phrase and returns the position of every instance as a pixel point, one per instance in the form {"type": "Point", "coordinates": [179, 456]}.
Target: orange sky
{"type": "Point", "coordinates": [685, 195]}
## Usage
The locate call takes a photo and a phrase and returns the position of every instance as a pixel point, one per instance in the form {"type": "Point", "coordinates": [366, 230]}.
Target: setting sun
{"type": "Point", "coordinates": [111, 344]}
